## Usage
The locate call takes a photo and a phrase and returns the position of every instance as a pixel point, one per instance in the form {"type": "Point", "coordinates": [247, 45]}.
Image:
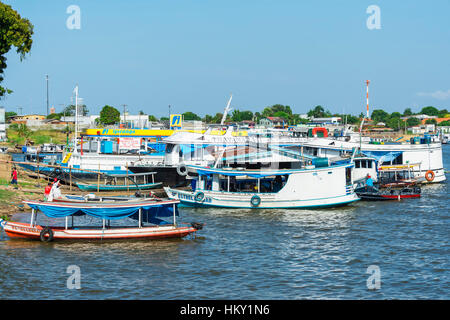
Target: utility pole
{"type": "Point", "coordinates": [367, 83]}
{"type": "Point", "coordinates": [124, 114]}
{"type": "Point", "coordinates": [169, 112]}
{"type": "Point", "coordinates": [46, 79]}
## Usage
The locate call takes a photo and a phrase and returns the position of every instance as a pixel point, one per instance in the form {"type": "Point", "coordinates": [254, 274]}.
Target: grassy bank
{"type": "Point", "coordinates": [18, 135]}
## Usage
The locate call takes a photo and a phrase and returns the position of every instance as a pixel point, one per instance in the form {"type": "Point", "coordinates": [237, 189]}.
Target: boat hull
{"type": "Point", "coordinates": [370, 197]}
{"type": "Point", "coordinates": [268, 201]}
{"type": "Point", "coordinates": [24, 230]}
{"type": "Point", "coordinates": [109, 187]}
{"type": "Point", "coordinates": [166, 174]}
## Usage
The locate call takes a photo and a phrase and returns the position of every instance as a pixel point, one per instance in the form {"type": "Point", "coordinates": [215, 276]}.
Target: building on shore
{"type": "Point", "coordinates": [273, 122]}
{"type": "Point", "coordinates": [25, 118]}
{"type": "Point", "coordinates": [2, 124]}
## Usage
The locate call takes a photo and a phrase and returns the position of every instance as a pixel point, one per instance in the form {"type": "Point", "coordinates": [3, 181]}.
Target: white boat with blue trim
{"type": "Point", "coordinates": [307, 187]}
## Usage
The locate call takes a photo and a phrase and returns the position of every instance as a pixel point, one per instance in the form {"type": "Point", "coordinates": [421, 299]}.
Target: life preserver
{"type": "Point", "coordinates": [182, 170]}
{"type": "Point", "coordinates": [255, 201]}
{"type": "Point", "coordinates": [199, 197]}
{"type": "Point", "coordinates": [429, 175]}
{"type": "Point", "coordinates": [45, 231]}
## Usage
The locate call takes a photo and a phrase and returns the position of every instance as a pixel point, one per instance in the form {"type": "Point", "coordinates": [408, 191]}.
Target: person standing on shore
{"type": "Point", "coordinates": [14, 177]}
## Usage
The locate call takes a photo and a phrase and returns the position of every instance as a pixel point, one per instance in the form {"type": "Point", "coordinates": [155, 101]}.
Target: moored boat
{"type": "Point", "coordinates": [148, 214]}
{"type": "Point", "coordinates": [309, 187]}
{"type": "Point", "coordinates": [130, 183]}
{"type": "Point", "coordinates": [375, 194]}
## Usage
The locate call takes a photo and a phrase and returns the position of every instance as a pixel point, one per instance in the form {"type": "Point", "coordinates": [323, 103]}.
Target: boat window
{"type": "Point", "coordinates": [369, 164]}
{"type": "Point", "coordinates": [271, 184]}
{"type": "Point", "coordinates": [363, 163]}
{"type": "Point", "coordinates": [357, 164]}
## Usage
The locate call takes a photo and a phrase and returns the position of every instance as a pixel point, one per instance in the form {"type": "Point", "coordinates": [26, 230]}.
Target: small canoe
{"type": "Point", "coordinates": [120, 187]}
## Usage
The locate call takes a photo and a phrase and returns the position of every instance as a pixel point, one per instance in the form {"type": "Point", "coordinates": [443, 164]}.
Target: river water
{"type": "Point", "coordinates": [245, 254]}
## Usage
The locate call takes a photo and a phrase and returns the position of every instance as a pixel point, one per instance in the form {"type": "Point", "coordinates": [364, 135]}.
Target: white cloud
{"type": "Point", "coordinates": [440, 95]}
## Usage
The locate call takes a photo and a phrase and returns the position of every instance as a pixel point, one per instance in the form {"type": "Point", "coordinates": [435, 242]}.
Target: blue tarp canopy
{"type": "Point", "coordinates": [382, 156]}
{"type": "Point", "coordinates": [148, 212]}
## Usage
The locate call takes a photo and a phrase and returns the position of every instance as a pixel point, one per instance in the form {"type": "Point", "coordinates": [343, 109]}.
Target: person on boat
{"type": "Point", "coordinates": [14, 177]}
{"type": "Point", "coordinates": [55, 192]}
{"type": "Point", "coordinates": [369, 181]}
{"type": "Point", "coordinates": [47, 190]}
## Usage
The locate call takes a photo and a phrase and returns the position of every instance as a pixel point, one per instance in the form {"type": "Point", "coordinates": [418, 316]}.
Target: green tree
{"type": "Point", "coordinates": [239, 116]}
{"type": "Point", "coordinates": [270, 111]}
{"type": "Point", "coordinates": [396, 115]}
{"type": "Point", "coordinates": [379, 115]}
{"type": "Point", "coordinates": [319, 112]}
{"type": "Point", "coordinates": [10, 114]}
{"type": "Point", "coordinates": [444, 123]}
{"type": "Point", "coordinates": [207, 118]}
{"type": "Point", "coordinates": [430, 121]}
{"type": "Point", "coordinates": [411, 122]}
{"type": "Point", "coordinates": [395, 123]}
{"type": "Point", "coordinates": [217, 118]}
{"type": "Point", "coordinates": [407, 112]}
{"type": "Point", "coordinates": [23, 131]}
{"type": "Point", "coordinates": [189, 116]}
{"type": "Point", "coordinates": [282, 114]}
{"type": "Point", "coordinates": [55, 116]}
{"type": "Point", "coordinates": [152, 118]}
{"type": "Point", "coordinates": [431, 111]}
{"type": "Point", "coordinates": [70, 110]}
{"type": "Point", "coordinates": [109, 115]}
{"type": "Point", "coordinates": [14, 31]}
{"type": "Point", "coordinates": [443, 113]}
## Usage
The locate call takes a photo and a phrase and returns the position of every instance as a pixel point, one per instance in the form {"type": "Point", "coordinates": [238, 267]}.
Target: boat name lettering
{"type": "Point", "coordinates": [191, 198]}
{"type": "Point", "coordinates": [26, 229]}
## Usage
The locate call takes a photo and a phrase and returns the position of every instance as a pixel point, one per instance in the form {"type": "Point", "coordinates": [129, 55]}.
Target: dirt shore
{"type": "Point", "coordinates": [30, 188]}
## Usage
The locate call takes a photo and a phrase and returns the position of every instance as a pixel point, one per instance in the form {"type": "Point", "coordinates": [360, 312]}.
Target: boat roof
{"type": "Point", "coordinates": [399, 167]}
{"type": "Point", "coordinates": [256, 173]}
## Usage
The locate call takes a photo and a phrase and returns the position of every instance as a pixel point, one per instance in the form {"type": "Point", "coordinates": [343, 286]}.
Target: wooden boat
{"type": "Point", "coordinates": [375, 194]}
{"type": "Point", "coordinates": [130, 182]}
{"type": "Point", "coordinates": [398, 176]}
{"type": "Point", "coordinates": [309, 187]}
{"type": "Point", "coordinates": [148, 214]}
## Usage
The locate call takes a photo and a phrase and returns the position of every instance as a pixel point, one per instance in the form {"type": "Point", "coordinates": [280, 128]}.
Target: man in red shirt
{"type": "Point", "coordinates": [14, 177]}
{"type": "Point", "coordinates": [48, 188]}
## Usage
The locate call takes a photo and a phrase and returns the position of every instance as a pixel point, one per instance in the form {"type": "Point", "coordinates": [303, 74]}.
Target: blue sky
{"type": "Point", "coordinates": [191, 55]}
